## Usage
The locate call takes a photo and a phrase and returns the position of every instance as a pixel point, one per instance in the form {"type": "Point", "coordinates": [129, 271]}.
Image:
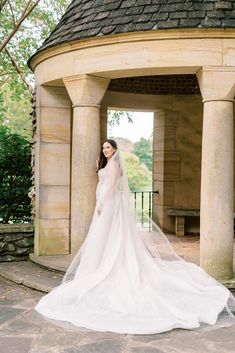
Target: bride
{"type": "Point", "coordinates": [123, 281]}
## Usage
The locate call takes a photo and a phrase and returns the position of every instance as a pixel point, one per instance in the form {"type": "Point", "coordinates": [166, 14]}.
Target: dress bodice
{"type": "Point", "coordinates": [101, 186]}
{"type": "Point", "coordinates": [107, 184]}
{"type": "Point", "coordinates": [101, 174]}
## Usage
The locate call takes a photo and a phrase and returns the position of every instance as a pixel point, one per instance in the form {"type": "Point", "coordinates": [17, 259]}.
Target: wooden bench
{"type": "Point", "coordinates": [180, 215]}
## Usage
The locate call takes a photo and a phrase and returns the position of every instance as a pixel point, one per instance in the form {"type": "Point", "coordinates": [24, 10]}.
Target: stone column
{"type": "Point", "coordinates": [216, 211]}
{"type": "Point", "coordinates": [166, 167]}
{"type": "Point", "coordinates": [86, 93]}
{"type": "Point", "coordinates": [103, 123]}
{"type": "Point", "coordinates": [52, 171]}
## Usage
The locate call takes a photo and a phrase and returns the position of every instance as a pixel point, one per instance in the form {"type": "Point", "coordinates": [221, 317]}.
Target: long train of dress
{"type": "Point", "coordinates": [118, 286]}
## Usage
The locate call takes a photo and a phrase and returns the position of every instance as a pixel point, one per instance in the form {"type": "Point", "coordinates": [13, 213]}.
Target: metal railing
{"type": "Point", "coordinates": [143, 202]}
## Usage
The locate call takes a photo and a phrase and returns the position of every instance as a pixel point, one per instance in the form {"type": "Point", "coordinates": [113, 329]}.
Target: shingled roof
{"type": "Point", "coordinates": [89, 18]}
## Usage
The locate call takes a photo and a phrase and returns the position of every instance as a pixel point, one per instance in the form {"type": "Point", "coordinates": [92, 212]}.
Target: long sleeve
{"type": "Point", "coordinates": [113, 172]}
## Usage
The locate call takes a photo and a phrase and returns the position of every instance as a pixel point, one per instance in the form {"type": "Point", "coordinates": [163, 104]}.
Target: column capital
{"type": "Point", "coordinates": [86, 90]}
{"type": "Point", "coordinates": [217, 83]}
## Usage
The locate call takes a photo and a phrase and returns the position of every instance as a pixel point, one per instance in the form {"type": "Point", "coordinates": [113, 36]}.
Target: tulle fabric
{"type": "Point", "coordinates": [128, 281]}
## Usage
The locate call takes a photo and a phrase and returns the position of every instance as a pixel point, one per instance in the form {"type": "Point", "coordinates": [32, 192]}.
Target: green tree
{"type": "Point", "coordinates": [139, 177]}
{"type": "Point", "coordinates": [15, 115]}
{"type": "Point", "coordinates": [144, 150]}
{"type": "Point", "coordinates": [15, 177]}
{"type": "Point", "coordinates": [114, 117]}
{"type": "Point", "coordinates": [24, 26]}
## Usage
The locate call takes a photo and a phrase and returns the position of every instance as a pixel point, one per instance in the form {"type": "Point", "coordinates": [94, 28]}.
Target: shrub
{"type": "Point", "coordinates": [15, 177]}
{"type": "Point", "coordinates": [139, 177]}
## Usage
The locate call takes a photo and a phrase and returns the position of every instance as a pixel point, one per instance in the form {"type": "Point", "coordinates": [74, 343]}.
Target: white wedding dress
{"type": "Point", "coordinates": [118, 282]}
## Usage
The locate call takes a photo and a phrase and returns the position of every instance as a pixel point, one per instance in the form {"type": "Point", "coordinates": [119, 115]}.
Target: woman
{"type": "Point", "coordinates": [121, 281]}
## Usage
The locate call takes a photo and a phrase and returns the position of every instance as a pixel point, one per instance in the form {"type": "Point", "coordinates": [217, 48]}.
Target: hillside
{"type": "Point", "coordinates": [124, 144]}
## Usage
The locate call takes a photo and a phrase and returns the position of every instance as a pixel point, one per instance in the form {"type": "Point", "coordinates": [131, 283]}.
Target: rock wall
{"type": "Point", "coordinates": [16, 241]}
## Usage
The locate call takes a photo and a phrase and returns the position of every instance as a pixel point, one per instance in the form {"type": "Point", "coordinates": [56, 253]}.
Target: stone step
{"type": "Point", "coordinates": [57, 263]}
{"type": "Point", "coordinates": [43, 279]}
{"type": "Point", "coordinates": [30, 275]}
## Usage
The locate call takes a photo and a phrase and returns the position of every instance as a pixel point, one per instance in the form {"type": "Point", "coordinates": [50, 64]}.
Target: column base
{"type": "Point", "coordinates": [229, 283]}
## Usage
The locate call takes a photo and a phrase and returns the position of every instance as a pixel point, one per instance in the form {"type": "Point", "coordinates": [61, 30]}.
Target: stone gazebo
{"type": "Point", "coordinates": [176, 59]}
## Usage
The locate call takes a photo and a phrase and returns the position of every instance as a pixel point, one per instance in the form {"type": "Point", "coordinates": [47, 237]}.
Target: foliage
{"type": "Point", "coordinates": [15, 115]}
{"type": "Point", "coordinates": [16, 80]}
{"type": "Point", "coordinates": [25, 39]}
{"type": "Point", "coordinates": [139, 176]}
{"type": "Point", "coordinates": [144, 150]}
{"type": "Point", "coordinates": [15, 175]}
{"type": "Point", "coordinates": [114, 117]}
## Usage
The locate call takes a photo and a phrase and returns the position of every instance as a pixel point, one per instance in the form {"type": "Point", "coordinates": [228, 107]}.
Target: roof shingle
{"type": "Point", "coordinates": [88, 18]}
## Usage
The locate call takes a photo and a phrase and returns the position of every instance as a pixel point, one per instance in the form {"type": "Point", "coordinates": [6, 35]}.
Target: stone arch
{"type": "Point", "coordinates": [85, 67]}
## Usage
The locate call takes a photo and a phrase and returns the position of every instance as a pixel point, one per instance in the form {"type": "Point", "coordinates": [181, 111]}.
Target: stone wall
{"type": "Point", "coordinates": [31, 193]}
{"type": "Point", "coordinates": [160, 84]}
{"type": "Point", "coordinates": [16, 241]}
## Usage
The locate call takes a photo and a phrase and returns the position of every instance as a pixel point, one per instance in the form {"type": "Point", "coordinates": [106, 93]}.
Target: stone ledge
{"type": "Point", "coordinates": [57, 263]}
{"type": "Point", "coordinates": [30, 275]}
{"type": "Point", "coordinates": [16, 228]}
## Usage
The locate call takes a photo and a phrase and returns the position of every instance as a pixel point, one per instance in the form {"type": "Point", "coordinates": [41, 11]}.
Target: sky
{"type": "Point", "coordinates": [142, 126]}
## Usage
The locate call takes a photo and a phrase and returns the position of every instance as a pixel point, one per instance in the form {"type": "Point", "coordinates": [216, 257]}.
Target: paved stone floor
{"type": "Point", "coordinates": [23, 330]}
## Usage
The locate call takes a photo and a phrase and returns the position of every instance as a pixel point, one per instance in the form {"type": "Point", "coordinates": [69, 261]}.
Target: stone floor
{"type": "Point", "coordinates": [23, 330]}
{"type": "Point", "coordinates": [187, 246]}
{"type": "Point", "coordinates": [41, 272]}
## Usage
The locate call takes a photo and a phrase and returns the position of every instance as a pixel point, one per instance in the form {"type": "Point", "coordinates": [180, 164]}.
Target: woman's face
{"type": "Point", "coordinates": [108, 150]}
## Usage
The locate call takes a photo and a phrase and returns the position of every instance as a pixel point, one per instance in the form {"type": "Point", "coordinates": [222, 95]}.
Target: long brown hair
{"type": "Point", "coordinates": [103, 160]}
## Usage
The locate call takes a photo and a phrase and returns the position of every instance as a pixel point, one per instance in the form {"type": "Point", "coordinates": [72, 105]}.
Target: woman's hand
{"type": "Point", "coordinates": [97, 162]}
{"type": "Point", "coordinates": [100, 208]}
